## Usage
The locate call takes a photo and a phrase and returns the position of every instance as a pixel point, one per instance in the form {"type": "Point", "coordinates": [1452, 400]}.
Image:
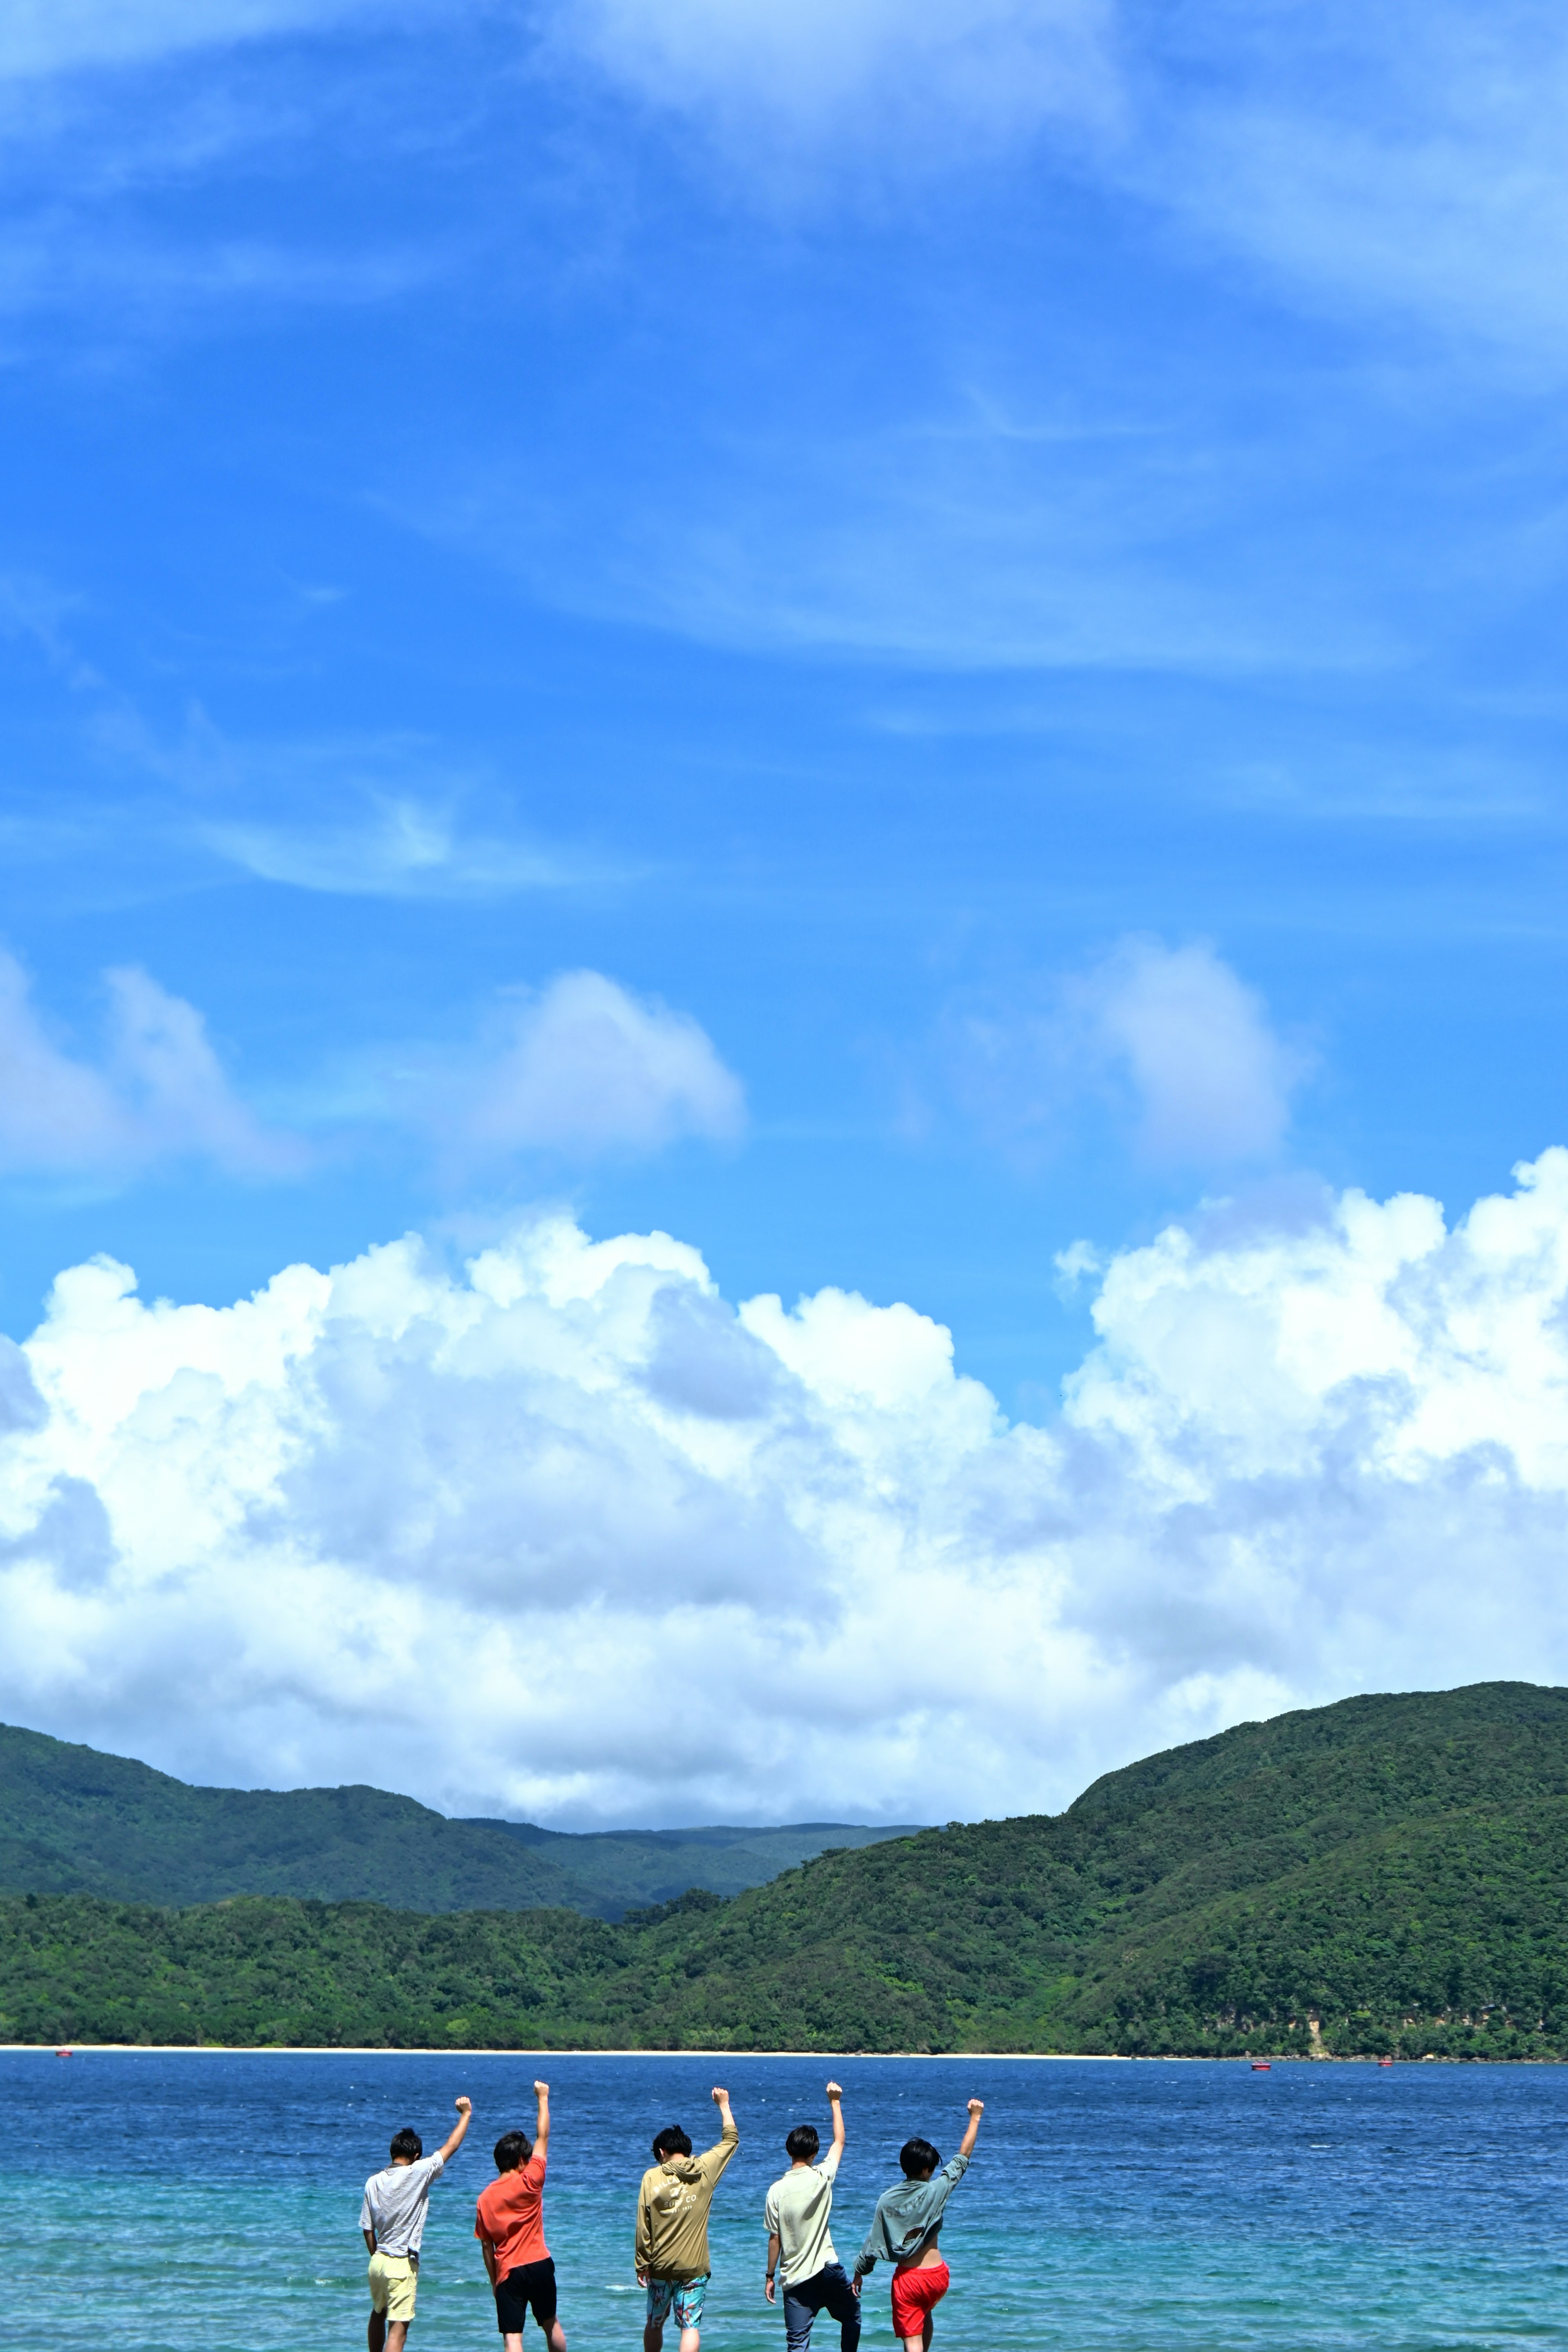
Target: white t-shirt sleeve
{"type": "Point", "coordinates": [829, 2164]}
{"type": "Point", "coordinates": [770, 2212]}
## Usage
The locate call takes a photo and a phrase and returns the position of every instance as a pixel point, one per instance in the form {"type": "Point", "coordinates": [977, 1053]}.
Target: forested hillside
{"type": "Point", "coordinates": [1389, 1873]}
{"type": "Point", "coordinates": [73, 1821]}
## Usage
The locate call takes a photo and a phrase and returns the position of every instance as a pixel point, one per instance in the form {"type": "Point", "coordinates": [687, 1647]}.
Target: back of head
{"type": "Point", "coordinates": [671, 2141]}
{"type": "Point", "coordinates": [917, 2157]}
{"type": "Point", "coordinates": [513, 2148]}
{"type": "Point", "coordinates": [408, 2145]}
{"type": "Point", "coordinates": [802, 2144]}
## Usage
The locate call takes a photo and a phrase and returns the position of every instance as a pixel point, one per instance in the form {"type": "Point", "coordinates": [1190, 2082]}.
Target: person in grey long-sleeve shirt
{"type": "Point", "coordinates": [904, 2233]}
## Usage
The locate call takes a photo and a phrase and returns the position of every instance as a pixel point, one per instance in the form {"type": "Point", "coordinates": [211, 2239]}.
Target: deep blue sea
{"type": "Point", "coordinates": [170, 2202]}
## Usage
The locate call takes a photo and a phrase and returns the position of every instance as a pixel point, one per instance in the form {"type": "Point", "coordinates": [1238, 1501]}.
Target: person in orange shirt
{"type": "Point", "coordinates": [509, 2227]}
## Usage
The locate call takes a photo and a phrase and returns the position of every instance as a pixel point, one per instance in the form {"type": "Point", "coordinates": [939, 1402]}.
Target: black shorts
{"type": "Point", "coordinates": [530, 2282]}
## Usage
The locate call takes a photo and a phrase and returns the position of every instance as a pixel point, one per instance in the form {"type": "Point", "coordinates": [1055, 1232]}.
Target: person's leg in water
{"type": "Point", "coordinates": [829, 2291]}
{"type": "Point", "coordinates": [653, 2337]}
{"type": "Point", "coordinates": [916, 2293]}
{"type": "Point", "coordinates": [686, 2303]}
{"type": "Point", "coordinates": [530, 2290]}
{"type": "Point", "coordinates": [841, 2303]}
{"type": "Point", "coordinates": [800, 2306]}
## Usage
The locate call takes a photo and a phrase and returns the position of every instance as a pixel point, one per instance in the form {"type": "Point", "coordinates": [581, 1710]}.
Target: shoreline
{"type": "Point", "coordinates": [858, 2057]}
{"type": "Point", "coordinates": [379, 2050]}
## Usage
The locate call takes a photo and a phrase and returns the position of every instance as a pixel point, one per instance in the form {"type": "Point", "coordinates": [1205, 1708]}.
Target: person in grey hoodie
{"type": "Point", "coordinates": [904, 2231]}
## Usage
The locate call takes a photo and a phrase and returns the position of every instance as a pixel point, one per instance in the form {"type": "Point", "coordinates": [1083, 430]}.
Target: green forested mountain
{"type": "Point", "coordinates": [74, 1821]}
{"type": "Point", "coordinates": [1388, 1873]}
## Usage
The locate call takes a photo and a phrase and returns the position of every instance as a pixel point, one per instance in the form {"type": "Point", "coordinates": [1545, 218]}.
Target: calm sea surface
{"type": "Point", "coordinates": [166, 2203]}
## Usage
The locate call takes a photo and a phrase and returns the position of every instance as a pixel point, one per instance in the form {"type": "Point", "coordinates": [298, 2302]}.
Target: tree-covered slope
{"type": "Point", "coordinates": [73, 1821]}
{"type": "Point", "coordinates": [1388, 1873]}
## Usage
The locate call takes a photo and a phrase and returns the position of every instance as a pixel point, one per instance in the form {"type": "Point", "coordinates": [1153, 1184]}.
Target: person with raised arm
{"type": "Point", "coordinates": [672, 2260]}
{"type": "Point", "coordinates": [510, 2226]}
{"type": "Point", "coordinates": [392, 2215]}
{"type": "Point", "coordinates": [800, 2249]}
{"type": "Point", "coordinates": [904, 2231]}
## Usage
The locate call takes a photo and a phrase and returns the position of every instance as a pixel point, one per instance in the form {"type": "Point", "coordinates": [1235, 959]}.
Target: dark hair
{"type": "Point", "coordinates": [918, 2155]}
{"type": "Point", "coordinates": [670, 2141]}
{"type": "Point", "coordinates": [802, 2144]}
{"type": "Point", "coordinates": [406, 2143]}
{"type": "Point", "coordinates": [513, 2148]}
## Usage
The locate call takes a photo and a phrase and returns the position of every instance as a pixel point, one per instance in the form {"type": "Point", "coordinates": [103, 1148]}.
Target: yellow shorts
{"type": "Point", "coordinates": [394, 2282]}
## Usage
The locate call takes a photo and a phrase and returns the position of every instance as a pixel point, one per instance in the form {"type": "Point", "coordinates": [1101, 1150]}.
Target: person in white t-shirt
{"type": "Point", "coordinates": [800, 2247]}
{"type": "Point", "coordinates": [391, 2216]}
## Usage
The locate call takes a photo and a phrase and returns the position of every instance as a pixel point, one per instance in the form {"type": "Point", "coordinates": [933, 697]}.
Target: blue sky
{"type": "Point", "coordinates": [993, 568]}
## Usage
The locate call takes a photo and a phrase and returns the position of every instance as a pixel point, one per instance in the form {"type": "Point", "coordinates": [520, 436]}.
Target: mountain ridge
{"type": "Point", "coordinates": [1385, 1876]}
{"type": "Point", "coordinates": [75, 1820]}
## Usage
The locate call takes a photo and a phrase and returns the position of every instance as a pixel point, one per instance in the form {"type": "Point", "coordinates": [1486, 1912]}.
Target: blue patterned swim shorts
{"type": "Point", "coordinates": [683, 2296]}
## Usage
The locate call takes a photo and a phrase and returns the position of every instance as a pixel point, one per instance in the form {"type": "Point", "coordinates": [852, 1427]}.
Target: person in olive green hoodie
{"type": "Point", "coordinates": [672, 2227]}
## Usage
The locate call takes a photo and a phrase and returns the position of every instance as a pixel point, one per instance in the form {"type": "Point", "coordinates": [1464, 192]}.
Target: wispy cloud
{"type": "Point", "coordinates": [767, 79]}
{"type": "Point", "coordinates": [953, 538]}
{"type": "Point", "coordinates": [40, 37]}
{"type": "Point", "coordinates": [1405, 164]}
{"type": "Point", "coordinates": [400, 847]}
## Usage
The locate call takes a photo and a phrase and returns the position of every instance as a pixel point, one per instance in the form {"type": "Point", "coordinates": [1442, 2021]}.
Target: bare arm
{"type": "Point", "coordinates": [369, 2237]}
{"type": "Point", "coordinates": [726, 2120]}
{"type": "Point", "coordinates": [773, 2263]}
{"type": "Point", "coordinates": [541, 2122]}
{"type": "Point", "coordinates": [836, 2101]}
{"type": "Point", "coordinates": [488, 2252]}
{"type": "Point", "coordinates": [966, 2145]}
{"type": "Point", "coordinates": [453, 2139]}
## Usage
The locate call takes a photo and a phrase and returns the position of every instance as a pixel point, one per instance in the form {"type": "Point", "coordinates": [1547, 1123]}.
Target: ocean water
{"type": "Point", "coordinates": [166, 2202]}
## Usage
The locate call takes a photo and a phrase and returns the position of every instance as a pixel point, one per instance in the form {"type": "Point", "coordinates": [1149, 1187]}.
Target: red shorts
{"type": "Point", "coordinates": [916, 2294]}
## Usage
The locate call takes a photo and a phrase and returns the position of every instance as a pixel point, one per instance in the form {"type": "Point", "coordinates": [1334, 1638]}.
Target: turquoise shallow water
{"type": "Point", "coordinates": [167, 2201]}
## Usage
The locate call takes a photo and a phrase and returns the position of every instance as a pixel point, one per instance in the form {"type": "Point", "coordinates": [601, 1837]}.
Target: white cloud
{"type": "Point", "coordinates": [158, 1092]}
{"type": "Point", "coordinates": [581, 1066]}
{"type": "Point", "coordinates": [577, 1068]}
{"type": "Point", "coordinates": [1181, 1046]}
{"type": "Point", "coordinates": [1213, 1080]}
{"type": "Point", "coordinates": [491, 1535]}
{"type": "Point", "coordinates": [404, 847]}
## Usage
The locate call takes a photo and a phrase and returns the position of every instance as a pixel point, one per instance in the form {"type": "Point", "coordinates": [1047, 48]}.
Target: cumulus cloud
{"type": "Point", "coordinates": [1212, 1078]}
{"type": "Point", "coordinates": [582, 1066]}
{"type": "Point", "coordinates": [479, 1532]}
{"type": "Point", "coordinates": [158, 1092]}
{"type": "Point", "coordinates": [1179, 1044]}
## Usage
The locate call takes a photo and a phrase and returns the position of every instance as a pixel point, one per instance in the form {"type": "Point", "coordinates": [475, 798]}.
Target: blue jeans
{"type": "Point", "coordinates": [829, 2290]}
